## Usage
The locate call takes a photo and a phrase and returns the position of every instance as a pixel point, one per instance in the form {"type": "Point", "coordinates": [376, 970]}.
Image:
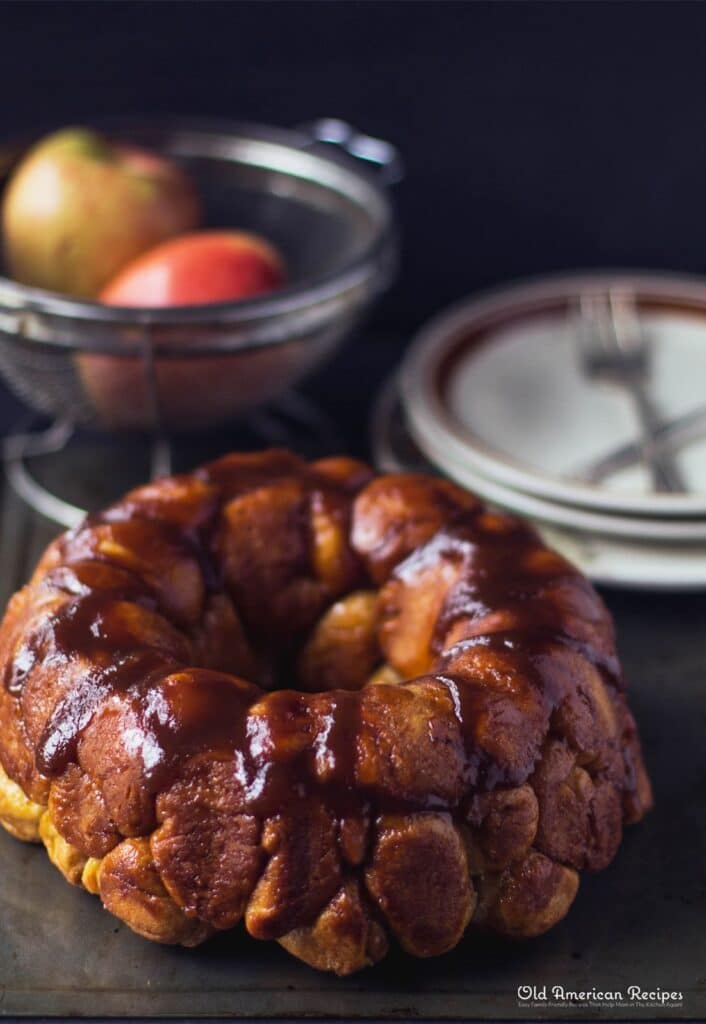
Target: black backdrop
{"type": "Point", "coordinates": [536, 136]}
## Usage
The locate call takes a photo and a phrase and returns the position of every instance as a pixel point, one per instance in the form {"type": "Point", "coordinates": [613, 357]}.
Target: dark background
{"type": "Point", "coordinates": [535, 136]}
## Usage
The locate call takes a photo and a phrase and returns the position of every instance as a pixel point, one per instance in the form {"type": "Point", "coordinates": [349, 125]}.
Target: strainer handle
{"type": "Point", "coordinates": [378, 152]}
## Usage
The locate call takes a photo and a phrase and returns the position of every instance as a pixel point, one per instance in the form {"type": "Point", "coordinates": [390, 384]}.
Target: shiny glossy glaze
{"type": "Point", "coordinates": [288, 746]}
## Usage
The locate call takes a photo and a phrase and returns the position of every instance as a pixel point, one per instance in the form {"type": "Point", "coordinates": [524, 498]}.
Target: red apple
{"type": "Point", "coordinates": [203, 267]}
{"type": "Point", "coordinates": [208, 266]}
{"type": "Point", "coordinates": [78, 208]}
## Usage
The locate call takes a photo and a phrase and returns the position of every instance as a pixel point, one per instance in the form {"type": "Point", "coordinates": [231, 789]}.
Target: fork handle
{"type": "Point", "coordinates": [666, 475]}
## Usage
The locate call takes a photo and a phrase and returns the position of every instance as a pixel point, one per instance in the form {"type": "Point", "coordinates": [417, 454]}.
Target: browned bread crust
{"type": "Point", "coordinates": [339, 707]}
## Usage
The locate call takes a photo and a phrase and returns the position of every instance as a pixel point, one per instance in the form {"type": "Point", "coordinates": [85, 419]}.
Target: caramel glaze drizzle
{"type": "Point", "coordinates": [288, 746]}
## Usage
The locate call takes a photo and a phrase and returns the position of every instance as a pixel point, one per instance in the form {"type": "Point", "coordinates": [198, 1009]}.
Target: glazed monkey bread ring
{"type": "Point", "coordinates": [344, 708]}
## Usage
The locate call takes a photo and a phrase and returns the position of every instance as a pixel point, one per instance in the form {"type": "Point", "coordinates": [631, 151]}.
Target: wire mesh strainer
{"type": "Point", "coordinates": [191, 367]}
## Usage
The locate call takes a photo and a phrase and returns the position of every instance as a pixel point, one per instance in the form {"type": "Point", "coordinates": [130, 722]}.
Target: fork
{"type": "Point", "coordinates": [614, 350]}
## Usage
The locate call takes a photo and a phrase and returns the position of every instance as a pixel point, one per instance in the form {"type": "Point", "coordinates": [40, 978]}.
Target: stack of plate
{"type": "Point", "coordinates": [495, 395]}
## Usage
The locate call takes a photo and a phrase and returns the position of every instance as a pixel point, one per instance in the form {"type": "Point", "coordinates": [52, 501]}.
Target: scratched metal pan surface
{"type": "Point", "coordinates": [640, 922]}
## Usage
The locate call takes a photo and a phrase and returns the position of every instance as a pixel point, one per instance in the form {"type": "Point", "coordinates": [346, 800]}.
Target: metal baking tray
{"type": "Point", "coordinates": [642, 922]}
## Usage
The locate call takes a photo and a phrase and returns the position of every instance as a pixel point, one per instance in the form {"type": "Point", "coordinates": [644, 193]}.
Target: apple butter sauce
{"type": "Point", "coordinates": [287, 746]}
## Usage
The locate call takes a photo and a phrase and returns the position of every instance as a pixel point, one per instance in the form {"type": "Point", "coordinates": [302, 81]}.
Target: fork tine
{"type": "Point", "coordinates": [625, 323]}
{"type": "Point", "coordinates": [594, 334]}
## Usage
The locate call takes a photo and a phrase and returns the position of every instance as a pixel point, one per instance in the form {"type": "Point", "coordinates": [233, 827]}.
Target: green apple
{"type": "Point", "coordinates": [79, 208]}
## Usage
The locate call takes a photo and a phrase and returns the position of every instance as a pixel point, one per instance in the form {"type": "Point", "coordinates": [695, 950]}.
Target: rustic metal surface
{"type": "Point", "coordinates": [641, 922]}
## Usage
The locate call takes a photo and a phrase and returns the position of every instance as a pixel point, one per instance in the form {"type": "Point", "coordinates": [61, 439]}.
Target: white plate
{"type": "Point", "coordinates": [496, 385]}
{"type": "Point", "coordinates": [612, 561]}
